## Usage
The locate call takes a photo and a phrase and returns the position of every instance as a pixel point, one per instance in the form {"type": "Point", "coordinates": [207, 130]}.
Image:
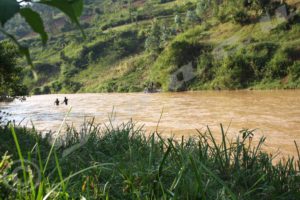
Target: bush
{"type": "Point", "coordinates": [277, 67]}
{"type": "Point", "coordinates": [153, 41]}
{"type": "Point", "coordinates": [47, 69]}
{"type": "Point", "coordinates": [70, 72]}
{"type": "Point", "coordinates": [235, 72]}
{"type": "Point", "coordinates": [191, 18]}
{"type": "Point", "coordinates": [37, 91]}
{"type": "Point", "coordinates": [294, 71]}
{"type": "Point", "coordinates": [11, 85]}
{"type": "Point", "coordinates": [241, 17]}
{"type": "Point", "coordinates": [258, 56]}
{"type": "Point", "coordinates": [177, 54]}
{"type": "Point", "coordinates": [205, 67]}
{"type": "Point", "coordinates": [71, 86]}
{"type": "Point", "coordinates": [46, 90]}
{"type": "Point", "coordinates": [183, 52]}
{"type": "Point", "coordinates": [56, 86]}
{"type": "Point", "coordinates": [111, 86]}
{"type": "Point", "coordinates": [223, 12]}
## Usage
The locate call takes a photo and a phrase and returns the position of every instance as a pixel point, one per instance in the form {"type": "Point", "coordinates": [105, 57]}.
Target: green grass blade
{"type": "Point", "coordinates": [19, 151]}
{"type": "Point", "coordinates": [52, 146]}
{"type": "Point", "coordinates": [76, 174]}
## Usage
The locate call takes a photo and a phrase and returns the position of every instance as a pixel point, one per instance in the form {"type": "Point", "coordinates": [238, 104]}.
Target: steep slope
{"type": "Point", "coordinates": [175, 46]}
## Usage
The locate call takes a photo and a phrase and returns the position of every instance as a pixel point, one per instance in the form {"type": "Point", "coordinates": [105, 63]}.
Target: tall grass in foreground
{"type": "Point", "coordinates": [123, 163]}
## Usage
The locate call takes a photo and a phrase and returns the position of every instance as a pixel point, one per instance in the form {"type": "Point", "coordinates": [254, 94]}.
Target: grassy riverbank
{"type": "Point", "coordinates": [122, 163]}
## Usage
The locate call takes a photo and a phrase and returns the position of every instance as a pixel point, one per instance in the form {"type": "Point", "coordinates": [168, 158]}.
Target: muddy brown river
{"type": "Point", "coordinates": [275, 114]}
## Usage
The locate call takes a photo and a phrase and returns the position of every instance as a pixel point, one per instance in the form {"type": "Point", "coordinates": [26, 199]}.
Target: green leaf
{"type": "Point", "coordinates": [25, 51]}
{"type": "Point", "coordinates": [35, 21]}
{"type": "Point", "coordinates": [72, 8]}
{"type": "Point", "coordinates": [8, 8]}
{"type": "Point", "coordinates": [78, 7]}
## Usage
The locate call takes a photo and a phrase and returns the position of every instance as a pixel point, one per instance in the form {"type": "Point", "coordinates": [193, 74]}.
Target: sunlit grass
{"type": "Point", "coordinates": [123, 163]}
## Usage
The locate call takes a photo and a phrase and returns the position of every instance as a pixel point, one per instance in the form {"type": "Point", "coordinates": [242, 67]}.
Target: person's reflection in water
{"type": "Point", "coordinates": [66, 101]}
{"type": "Point", "coordinates": [56, 102]}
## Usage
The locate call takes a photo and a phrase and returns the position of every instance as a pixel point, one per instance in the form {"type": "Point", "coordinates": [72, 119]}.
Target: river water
{"type": "Point", "coordinates": [275, 114]}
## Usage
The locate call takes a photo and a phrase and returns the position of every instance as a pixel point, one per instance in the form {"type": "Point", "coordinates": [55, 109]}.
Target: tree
{"type": "Point", "coordinates": [178, 22]}
{"type": "Point", "coordinates": [11, 86]}
{"type": "Point", "coordinates": [10, 80]}
{"type": "Point", "coordinates": [9, 8]}
{"type": "Point", "coordinates": [152, 42]}
{"type": "Point", "coordinates": [165, 35]}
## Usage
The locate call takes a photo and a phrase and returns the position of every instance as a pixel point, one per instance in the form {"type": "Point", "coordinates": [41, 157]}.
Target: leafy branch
{"type": "Point", "coordinates": [9, 8]}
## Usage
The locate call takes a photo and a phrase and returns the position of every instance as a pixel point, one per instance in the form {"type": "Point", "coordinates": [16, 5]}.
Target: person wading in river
{"type": "Point", "coordinates": [56, 102]}
{"type": "Point", "coordinates": [66, 101]}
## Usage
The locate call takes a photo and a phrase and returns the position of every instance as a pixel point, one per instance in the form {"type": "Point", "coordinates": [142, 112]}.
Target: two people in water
{"type": "Point", "coordinates": [65, 101]}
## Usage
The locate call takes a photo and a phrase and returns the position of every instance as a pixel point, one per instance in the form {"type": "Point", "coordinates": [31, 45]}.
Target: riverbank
{"type": "Point", "coordinates": [122, 163]}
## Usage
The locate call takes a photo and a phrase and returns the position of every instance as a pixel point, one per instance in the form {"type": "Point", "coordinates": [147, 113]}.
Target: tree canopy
{"type": "Point", "coordinates": [10, 81]}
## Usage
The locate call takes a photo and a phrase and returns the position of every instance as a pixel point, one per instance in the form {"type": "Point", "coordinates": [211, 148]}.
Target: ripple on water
{"type": "Point", "coordinates": [276, 114]}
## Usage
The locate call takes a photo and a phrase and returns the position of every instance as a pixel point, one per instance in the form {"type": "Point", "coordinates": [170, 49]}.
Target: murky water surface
{"type": "Point", "coordinates": [275, 114]}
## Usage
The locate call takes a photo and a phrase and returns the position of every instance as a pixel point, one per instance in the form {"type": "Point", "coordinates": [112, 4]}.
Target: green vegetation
{"type": "Point", "coordinates": [10, 81]}
{"type": "Point", "coordinates": [25, 10]}
{"type": "Point", "coordinates": [122, 163]}
{"type": "Point", "coordinates": [172, 45]}
{"type": "Point", "coordinates": [131, 44]}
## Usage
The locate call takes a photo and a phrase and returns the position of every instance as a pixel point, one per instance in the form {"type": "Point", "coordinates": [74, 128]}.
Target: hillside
{"type": "Point", "coordinates": [169, 45]}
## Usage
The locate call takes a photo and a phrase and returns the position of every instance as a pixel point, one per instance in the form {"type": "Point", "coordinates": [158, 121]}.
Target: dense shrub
{"type": "Point", "coordinates": [110, 86]}
{"type": "Point", "coordinates": [205, 69]}
{"type": "Point", "coordinates": [183, 52]}
{"type": "Point", "coordinates": [71, 86]}
{"type": "Point", "coordinates": [80, 63]}
{"type": "Point", "coordinates": [243, 66]}
{"type": "Point", "coordinates": [70, 72]}
{"type": "Point", "coordinates": [153, 41]}
{"type": "Point", "coordinates": [191, 18]}
{"type": "Point", "coordinates": [235, 72]}
{"type": "Point", "coordinates": [241, 17]}
{"type": "Point", "coordinates": [46, 90]}
{"type": "Point", "coordinates": [177, 54]}
{"type": "Point", "coordinates": [37, 91]}
{"type": "Point", "coordinates": [56, 86]}
{"type": "Point", "coordinates": [47, 69]}
{"type": "Point", "coordinates": [277, 67]}
{"type": "Point", "coordinates": [294, 71]}
{"type": "Point", "coordinates": [258, 55]}
{"type": "Point", "coordinates": [11, 85]}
